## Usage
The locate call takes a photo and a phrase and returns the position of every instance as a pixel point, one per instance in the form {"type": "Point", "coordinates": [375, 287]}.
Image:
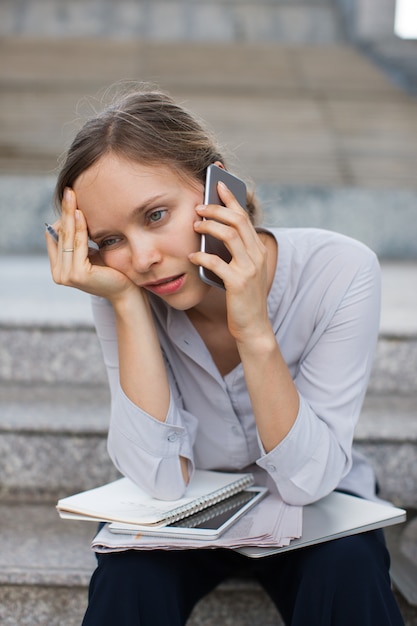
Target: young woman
{"type": "Point", "coordinates": [270, 371]}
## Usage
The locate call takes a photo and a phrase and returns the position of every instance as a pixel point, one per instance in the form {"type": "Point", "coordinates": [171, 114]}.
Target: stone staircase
{"type": "Point", "coordinates": [328, 141]}
{"type": "Point", "coordinates": [53, 421]}
{"type": "Point", "coordinates": [326, 138]}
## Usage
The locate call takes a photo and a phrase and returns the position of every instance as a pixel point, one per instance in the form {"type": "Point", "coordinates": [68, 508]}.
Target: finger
{"type": "Point", "coordinates": [228, 235]}
{"type": "Point", "coordinates": [210, 262]}
{"type": "Point", "coordinates": [81, 235]}
{"type": "Point", "coordinates": [227, 197]}
{"type": "Point", "coordinates": [241, 240]}
{"type": "Point", "coordinates": [67, 230]}
{"type": "Point", "coordinates": [232, 213]}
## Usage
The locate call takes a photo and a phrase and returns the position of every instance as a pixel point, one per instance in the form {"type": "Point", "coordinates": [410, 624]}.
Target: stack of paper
{"type": "Point", "coordinates": [269, 523]}
{"type": "Point", "coordinates": [270, 526]}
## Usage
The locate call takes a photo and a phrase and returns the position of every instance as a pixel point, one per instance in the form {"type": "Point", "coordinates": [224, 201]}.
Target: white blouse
{"type": "Point", "coordinates": [324, 307]}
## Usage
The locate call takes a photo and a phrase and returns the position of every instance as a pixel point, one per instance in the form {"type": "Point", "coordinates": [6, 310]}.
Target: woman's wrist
{"type": "Point", "coordinates": [129, 302]}
{"type": "Point", "coordinates": [254, 344]}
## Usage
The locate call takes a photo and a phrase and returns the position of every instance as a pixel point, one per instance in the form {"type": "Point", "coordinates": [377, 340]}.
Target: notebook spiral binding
{"type": "Point", "coordinates": [210, 499]}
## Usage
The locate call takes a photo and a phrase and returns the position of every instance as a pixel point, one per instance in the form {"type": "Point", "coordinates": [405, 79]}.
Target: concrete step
{"type": "Point", "coordinates": [47, 335]}
{"type": "Point", "coordinates": [402, 543]}
{"type": "Point", "coordinates": [46, 564]}
{"type": "Point", "coordinates": [295, 115]}
{"type": "Point", "coordinates": [53, 385]}
{"type": "Point", "coordinates": [30, 299]}
{"type": "Point", "coordinates": [53, 441]}
{"type": "Point", "coordinates": [398, 58]}
{"type": "Point", "coordinates": [39, 354]}
{"type": "Point", "coordinates": [387, 435]}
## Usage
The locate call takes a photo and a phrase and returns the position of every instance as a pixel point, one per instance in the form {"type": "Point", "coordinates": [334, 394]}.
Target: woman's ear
{"type": "Point", "coordinates": [219, 164]}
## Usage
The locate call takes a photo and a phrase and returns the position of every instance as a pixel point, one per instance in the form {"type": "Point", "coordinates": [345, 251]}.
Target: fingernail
{"type": "Point", "coordinates": [222, 185]}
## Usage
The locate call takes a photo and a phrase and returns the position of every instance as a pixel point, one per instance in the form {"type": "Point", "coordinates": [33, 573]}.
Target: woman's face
{"type": "Point", "coordinates": [142, 219]}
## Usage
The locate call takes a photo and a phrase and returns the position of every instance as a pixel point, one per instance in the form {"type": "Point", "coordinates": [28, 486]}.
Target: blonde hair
{"type": "Point", "coordinates": [149, 127]}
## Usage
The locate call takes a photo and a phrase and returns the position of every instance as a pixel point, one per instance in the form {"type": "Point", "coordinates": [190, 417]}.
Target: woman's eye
{"type": "Point", "coordinates": [157, 215]}
{"type": "Point", "coordinates": [107, 243]}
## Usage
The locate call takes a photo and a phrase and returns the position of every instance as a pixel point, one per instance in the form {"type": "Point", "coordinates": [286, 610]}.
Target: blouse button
{"type": "Point", "coordinates": [271, 467]}
{"type": "Point", "coordinates": [172, 437]}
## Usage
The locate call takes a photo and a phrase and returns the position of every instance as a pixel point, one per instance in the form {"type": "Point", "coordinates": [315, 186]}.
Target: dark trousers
{"type": "Point", "coordinates": [344, 582]}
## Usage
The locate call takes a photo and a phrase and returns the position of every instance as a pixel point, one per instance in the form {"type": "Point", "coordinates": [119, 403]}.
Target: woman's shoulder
{"type": "Point", "coordinates": [319, 262]}
{"type": "Point", "coordinates": [316, 245]}
{"type": "Point", "coordinates": [316, 237]}
{"type": "Point", "coordinates": [317, 269]}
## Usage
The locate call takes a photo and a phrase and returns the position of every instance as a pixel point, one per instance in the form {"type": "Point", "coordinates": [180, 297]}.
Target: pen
{"type": "Point", "coordinates": [52, 232]}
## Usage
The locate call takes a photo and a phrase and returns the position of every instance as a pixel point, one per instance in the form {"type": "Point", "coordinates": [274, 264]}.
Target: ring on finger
{"type": "Point", "coordinates": [68, 250]}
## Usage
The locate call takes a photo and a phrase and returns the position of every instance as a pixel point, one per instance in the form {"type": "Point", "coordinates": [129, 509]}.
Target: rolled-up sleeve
{"type": "Point", "coordinates": [148, 450]}
{"type": "Point", "coordinates": [308, 463]}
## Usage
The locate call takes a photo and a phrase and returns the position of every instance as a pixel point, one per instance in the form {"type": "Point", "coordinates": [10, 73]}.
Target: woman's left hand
{"type": "Point", "coordinates": [246, 276]}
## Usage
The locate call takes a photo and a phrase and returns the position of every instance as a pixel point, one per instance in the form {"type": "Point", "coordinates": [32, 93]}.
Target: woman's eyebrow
{"type": "Point", "coordinates": [134, 213]}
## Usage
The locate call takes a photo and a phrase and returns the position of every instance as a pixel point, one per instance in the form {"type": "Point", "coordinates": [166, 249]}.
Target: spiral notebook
{"type": "Point", "coordinates": [123, 501]}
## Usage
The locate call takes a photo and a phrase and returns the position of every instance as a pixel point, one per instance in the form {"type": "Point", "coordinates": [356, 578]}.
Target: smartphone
{"type": "Point", "coordinates": [210, 244]}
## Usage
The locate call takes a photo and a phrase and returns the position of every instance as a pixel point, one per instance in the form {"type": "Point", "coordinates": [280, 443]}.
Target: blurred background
{"type": "Point", "coordinates": [316, 99]}
{"type": "Point", "coordinates": [317, 102]}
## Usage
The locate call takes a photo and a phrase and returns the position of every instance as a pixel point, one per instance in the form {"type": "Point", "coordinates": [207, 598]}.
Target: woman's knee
{"type": "Point", "coordinates": [352, 559]}
{"type": "Point", "coordinates": [140, 569]}
{"type": "Point", "coordinates": [126, 589]}
{"type": "Point", "coordinates": [344, 582]}
{"type": "Point", "coordinates": [132, 583]}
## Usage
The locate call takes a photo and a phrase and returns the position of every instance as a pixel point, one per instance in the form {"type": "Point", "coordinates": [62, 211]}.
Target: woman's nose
{"type": "Point", "coordinates": [144, 254]}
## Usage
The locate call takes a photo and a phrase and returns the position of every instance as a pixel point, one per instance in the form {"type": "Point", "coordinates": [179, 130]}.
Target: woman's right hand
{"type": "Point", "coordinates": [74, 265]}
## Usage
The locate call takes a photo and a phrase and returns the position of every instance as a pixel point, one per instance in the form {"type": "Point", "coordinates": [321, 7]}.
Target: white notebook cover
{"type": "Point", "coordinates": [123, 501]}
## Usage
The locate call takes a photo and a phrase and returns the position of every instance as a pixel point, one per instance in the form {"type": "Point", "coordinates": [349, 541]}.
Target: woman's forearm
{"type": "Point", "coordinates": [273, 394]}
{"type": "Point", "coordinates": [142, 371]}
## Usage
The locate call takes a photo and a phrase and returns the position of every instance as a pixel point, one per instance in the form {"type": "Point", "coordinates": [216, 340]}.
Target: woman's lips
{"type": "Point", "coordinates": [166, 286]}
